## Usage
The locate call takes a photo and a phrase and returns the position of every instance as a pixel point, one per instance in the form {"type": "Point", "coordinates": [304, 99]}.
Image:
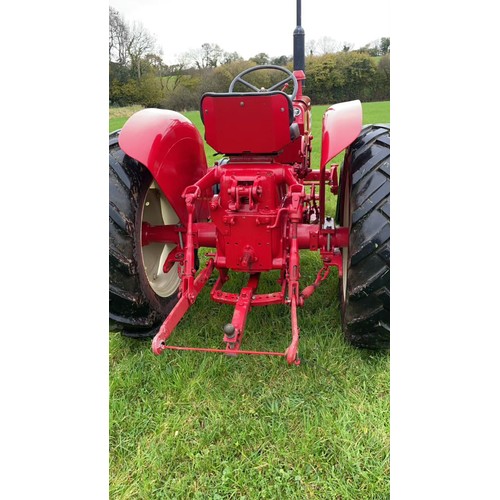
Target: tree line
{"type": "Point", "coordinates": [137, 74]}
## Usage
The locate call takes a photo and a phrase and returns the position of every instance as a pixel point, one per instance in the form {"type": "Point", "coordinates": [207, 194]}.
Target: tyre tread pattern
{"type": "Point", "coordinates": [366, 311]}
{"type": "Point", "coordinates": [132, 310]}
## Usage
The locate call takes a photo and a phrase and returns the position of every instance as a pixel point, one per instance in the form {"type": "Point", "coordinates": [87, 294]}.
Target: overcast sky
{"type": "Point", "coordinates": [254, 26]}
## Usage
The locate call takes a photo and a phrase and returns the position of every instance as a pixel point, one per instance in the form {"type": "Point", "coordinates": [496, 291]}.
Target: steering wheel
{"type": "Point", "coordinates": [290, 76]}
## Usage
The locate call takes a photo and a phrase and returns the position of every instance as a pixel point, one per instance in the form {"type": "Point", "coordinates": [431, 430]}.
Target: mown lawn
{"type": "Point", "coordinates": [193, 425]}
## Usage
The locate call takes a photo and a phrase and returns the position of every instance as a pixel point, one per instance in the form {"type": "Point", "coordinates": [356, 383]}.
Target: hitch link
{"type": "Point", "coordinates": [190, 287]}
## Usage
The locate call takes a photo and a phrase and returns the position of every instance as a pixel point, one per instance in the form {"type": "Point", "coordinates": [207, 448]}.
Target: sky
{"type": "Point", "coordinates": [256, 26]}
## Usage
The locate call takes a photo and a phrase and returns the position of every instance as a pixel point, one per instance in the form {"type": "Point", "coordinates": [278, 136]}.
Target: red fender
{"type": "Point", "coordinates": [170, 147]}
{"type": "Point", "coordinates": [341, 126]}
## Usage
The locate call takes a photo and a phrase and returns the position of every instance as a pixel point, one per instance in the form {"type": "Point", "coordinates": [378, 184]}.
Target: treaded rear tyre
{"type": "Point", "coordinates": [364, 207]}
{"type": "Point", "coordinates": [134, 306]}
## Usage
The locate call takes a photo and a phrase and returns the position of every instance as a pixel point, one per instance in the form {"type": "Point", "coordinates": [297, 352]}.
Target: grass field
{"type": "Point", "coordinates": [204, 426]}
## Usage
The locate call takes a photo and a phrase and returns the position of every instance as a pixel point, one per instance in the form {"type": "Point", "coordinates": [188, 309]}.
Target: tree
{"type": "Point", "coordinates": [136, 68]}
{"type": "Point", "coordinates": [280, 61]}
{"type": "Point", "coordinates": [209, 55]}
{"type": "Point", "coordinates": [118, 37]}
{"type": "Point", "coordinates": [260, 58]}
{"type": "Point", "coordinates": [385, 45]}
{"type": "Point", "coordinates": [372, 48]}
{"type": "Point", "coordinates": [311, 47]}
{"type": "Point", "coordinates": [343, 76]}
{"type": "Point", "coordinates": [174, 75]}
{"type": "Point", "coordinates": [150, 91]}
{"type": "Point", "coordinates": [219, 79]}
{"type": "Point", "coordinates": [230, 57]}
{"type": "Point", "coordinates": [155, 64]}
{"type": "Point", "coordinates": [384, 66]}
{"type": "Point", "coordinates": [139, 44]}
{"type": "Point", "coordinates": [119, 73]}
{"type": "Point", "coordinates": [327, 45]}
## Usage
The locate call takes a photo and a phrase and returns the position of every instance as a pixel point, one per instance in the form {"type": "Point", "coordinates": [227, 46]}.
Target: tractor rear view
{"type": "Point", "coordinates": [255, 210]}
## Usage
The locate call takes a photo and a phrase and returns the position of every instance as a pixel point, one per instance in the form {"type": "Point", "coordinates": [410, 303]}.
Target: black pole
{"type": "Point", "coordinates": [299, 50]}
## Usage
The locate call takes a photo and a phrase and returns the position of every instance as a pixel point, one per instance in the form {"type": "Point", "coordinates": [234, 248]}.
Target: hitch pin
{"type": "Point", "coordinates": [329, 224]}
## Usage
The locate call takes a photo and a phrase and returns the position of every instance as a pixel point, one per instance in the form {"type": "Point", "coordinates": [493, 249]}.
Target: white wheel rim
{"type": "Point", "coordinates": [158, 211]}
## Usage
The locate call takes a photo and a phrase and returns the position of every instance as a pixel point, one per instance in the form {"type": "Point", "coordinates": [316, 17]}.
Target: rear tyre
{"type": "Point", "coordinates": [140, 294]}
{"type": "Point", "coordinates": [363, 206]}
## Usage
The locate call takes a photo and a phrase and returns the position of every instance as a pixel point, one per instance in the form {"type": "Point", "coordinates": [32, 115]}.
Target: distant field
{"type": "Point", "coordinates": [118, 116]}
{"type": "Point", "coordinates": [123, 112]}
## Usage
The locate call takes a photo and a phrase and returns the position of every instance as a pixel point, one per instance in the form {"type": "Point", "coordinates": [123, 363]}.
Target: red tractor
{"type": "Point", "coordinates": [256, 208]}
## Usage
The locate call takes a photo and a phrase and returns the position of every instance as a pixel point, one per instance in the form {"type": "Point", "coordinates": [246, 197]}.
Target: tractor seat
{"type": "Point", "coordinates": [249, 122]}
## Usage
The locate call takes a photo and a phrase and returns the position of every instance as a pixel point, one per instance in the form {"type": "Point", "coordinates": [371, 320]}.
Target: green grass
{"type": "Point", "coordinates": [193, 425]}
{"type": "Point", "coordinates": [116, 123]}
{"type": "Point", "coordinates": [118, 116]}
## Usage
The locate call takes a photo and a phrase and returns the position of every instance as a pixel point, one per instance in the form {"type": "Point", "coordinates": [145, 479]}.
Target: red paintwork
{"type": "Point", "coordinates": [223, 351]}
{"type": "Point", "coordinates": [299, 150]}
{"type": "Point", "coordinates": [239, 123]}
{"type": "Point", "coordinates": [341, 125]}
{"type": "Point", "coordinates": [270, 203]}
{"type": "Point", "coordinates": [171, 147]}
{"type": "Point", "coordinates": [185, 301]}
{"type": "Point", "coordinates": [241, 310]}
